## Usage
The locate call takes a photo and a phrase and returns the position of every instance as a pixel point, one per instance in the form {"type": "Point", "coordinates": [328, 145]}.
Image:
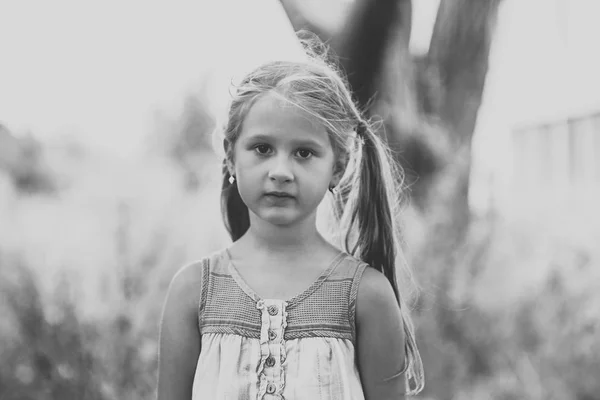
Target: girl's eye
{"type": "Point", "coordinates": [304, 153]}
{"type": "Point", "coordinates": [262, 149]}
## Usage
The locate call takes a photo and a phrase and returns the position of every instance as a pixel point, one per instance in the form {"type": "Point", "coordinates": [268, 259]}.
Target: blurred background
{"type": "Point", "coordinates": [109, 182]}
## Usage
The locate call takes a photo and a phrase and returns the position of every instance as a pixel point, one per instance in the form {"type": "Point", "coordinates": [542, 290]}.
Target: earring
{"type": "Point", "coordinates": [231, 179]}
{"type": "Point", "coordinates": [332, 189]}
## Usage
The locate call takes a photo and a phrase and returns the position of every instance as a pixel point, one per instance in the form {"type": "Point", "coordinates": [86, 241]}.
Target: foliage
{"type": "Point", "coordinates": [48, 354]}
{"type": "Point", "coordinates": [522, 322]}
{"type": "Point", "coordinates": [187, 138]}
{"type": "Point", "coordinates": [56, 353]}
{"type": "Point", "coordinates": [24, 160]}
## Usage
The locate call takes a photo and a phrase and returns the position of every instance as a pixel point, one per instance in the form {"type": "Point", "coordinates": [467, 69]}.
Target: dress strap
{"type": "Point", "coordinates": [360, 269]}
{"type": "Point", "coordinates": [205, 265]}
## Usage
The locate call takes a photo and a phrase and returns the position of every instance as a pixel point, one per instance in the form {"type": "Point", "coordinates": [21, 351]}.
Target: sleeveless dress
{"type": "Point", "coordinates": [298, 349]}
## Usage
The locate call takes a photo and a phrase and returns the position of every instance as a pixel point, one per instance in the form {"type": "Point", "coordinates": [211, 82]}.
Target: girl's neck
{"type": "Point", "coordinates": [282, 240]}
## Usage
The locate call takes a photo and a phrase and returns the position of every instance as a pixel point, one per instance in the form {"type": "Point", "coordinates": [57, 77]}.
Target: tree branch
{"type": "Point", "coordinates": [459, 51]}
{"type": "Point", "coordinates": [362, 44]}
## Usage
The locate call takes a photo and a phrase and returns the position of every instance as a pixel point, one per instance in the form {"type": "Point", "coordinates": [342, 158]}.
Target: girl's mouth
{"type": "Point", "coordinates": [279, 195]}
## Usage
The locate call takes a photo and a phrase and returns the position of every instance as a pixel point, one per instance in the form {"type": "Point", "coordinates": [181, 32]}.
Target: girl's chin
{"type": "Point", "coordinates": [279, 219]}
{"type": "Point", "coordinates": [279, 216]}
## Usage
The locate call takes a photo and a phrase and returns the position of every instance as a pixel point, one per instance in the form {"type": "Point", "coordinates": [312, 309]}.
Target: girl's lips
{"type": "Point", "coordinates": [278, 200]}
{"type": "Point", "coordinates": [279, 195]}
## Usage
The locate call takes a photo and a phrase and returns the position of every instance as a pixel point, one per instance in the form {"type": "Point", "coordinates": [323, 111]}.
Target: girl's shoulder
{"type": "Point", "coordinates": [186, 282]}
{"type": "Point", "coordinates": [187, 285]}
{"type": "Point", "coordinates": [189, 278]}
{"type": "Point", "coordinates": [375, 287]}
{"type": "Point", "coordinates": [372, 281]}
{"type": "Point", "coordinates": [194, 270]}
{"type": "Point", "coordinates": [376, 301]}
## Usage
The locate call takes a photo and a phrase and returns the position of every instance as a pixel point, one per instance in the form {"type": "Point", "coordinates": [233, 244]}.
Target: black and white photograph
{"type": "Point", "coordinates": [299, 200]}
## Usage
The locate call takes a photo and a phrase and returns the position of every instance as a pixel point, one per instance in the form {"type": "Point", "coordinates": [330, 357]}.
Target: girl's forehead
{"type": "Point", "coordinates": [271, 114]}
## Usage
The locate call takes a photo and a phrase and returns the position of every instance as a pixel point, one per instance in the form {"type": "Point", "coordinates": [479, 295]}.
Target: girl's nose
{"type": "Point", "coordinates": [281, 171]}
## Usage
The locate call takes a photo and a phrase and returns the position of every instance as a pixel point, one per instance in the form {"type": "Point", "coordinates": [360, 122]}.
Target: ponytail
{"type": "Point", "coordinates": [373, 213]}
{"type": "Point", "coordinates": [233, 209]}
{"type": "Point", "coordinates": [376, 238]}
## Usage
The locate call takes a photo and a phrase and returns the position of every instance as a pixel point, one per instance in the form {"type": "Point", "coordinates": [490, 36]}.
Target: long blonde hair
{"type": "Point", "coordinates": [367, 200]}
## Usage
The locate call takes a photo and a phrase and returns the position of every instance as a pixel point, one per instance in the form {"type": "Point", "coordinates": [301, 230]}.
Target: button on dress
{"type": "Point", "coordinates": [297, 349]}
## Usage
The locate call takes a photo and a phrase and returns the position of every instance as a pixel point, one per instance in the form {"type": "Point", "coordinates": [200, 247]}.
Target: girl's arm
{"type": "Point", "coordinates": [380, 339]}
{"type": "Point", "coordinates": [179, 343]}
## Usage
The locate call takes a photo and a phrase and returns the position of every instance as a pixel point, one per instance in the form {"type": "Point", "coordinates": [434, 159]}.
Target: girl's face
{"type": "Point", "coordinates": [283, 162]}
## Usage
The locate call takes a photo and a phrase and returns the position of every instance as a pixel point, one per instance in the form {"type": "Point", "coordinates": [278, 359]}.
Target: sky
{"type": "Point", "coordinates": [101, 69]}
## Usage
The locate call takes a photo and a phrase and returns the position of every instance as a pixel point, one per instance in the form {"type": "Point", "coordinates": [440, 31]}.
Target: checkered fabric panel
{"type": "Point", "coordinates": [327, 311]}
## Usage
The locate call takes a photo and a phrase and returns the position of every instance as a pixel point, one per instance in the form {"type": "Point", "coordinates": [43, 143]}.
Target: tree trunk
{"type": "Point", "coordinates": [459, 52]}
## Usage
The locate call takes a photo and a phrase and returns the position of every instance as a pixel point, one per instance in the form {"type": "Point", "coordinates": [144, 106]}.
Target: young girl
{"type": "Point", "coordinates": [282, 313]}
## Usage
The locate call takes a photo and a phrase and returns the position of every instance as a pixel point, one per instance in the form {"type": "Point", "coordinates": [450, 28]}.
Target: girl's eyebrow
{"type": "Point", "coordinates": [296, 142]}
{"type": "Point", "coordinates": [308, 142]}
{"type": "Point", "coordinates": [259, 136]}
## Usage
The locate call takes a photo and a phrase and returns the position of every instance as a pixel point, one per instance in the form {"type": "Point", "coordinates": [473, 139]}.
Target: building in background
{"type": "Point", "coordinates": [556, 164]}
{"type": "Point", "coordinates": [536, 150]}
